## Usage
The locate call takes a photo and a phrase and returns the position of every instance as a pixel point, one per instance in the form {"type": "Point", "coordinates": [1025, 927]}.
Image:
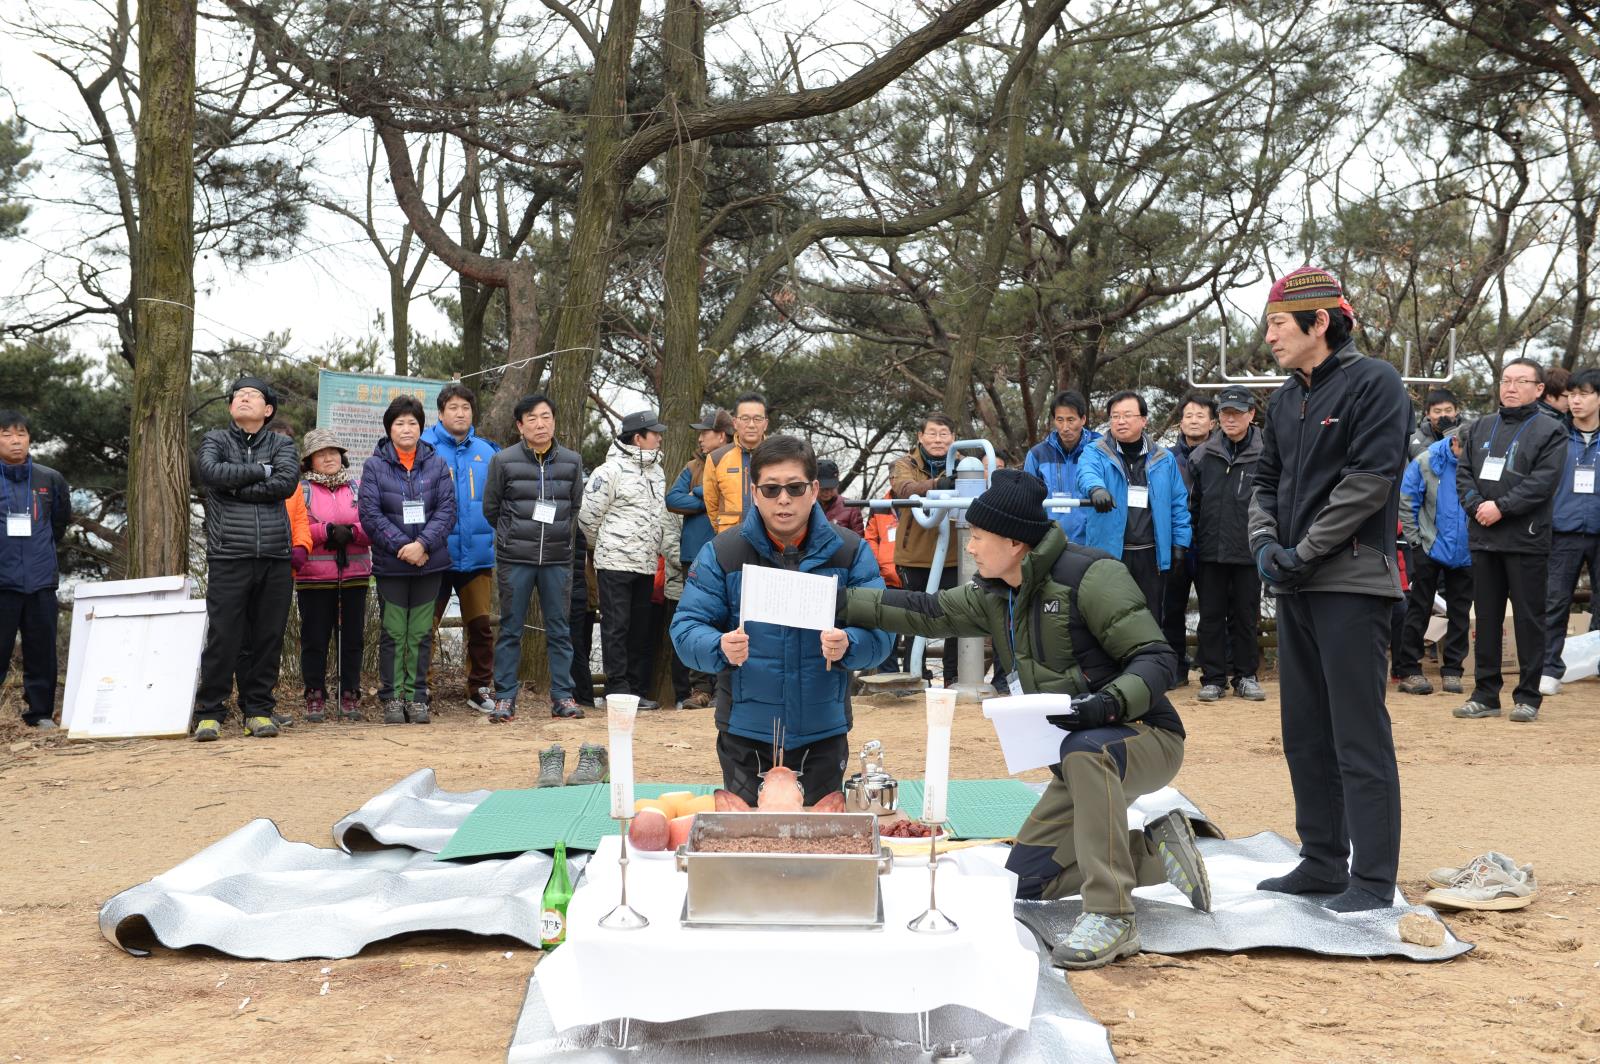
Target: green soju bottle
{"type": "Point", "coordinates": [553, 909]}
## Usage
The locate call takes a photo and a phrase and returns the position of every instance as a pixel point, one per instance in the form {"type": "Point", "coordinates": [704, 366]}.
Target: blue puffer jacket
{"type": "Point", "coordinates": [687, 496]}
{"type": "Point", "coordinates": [385, 487]}
{"type": "Point", "coordinates": [1169, 499]}
{"type": "Point", "coordinates": [785, 677]}
{"type": "Point", "coordinates": [472, 540]}
{"type": "Point", "coordinates": [1439, 524]}
{"type": "Point", "coordinates": [1058, 469]}
{"type": "Point", "coordinates": [1577, 513]}
{"type": "Point", "coordinates": [28, 563]}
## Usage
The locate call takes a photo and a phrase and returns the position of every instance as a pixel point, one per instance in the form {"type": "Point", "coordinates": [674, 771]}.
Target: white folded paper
{"type": "Point", "coordinates": [778, 596]}
{"type": "Point", "coordinates": [1027, 740]}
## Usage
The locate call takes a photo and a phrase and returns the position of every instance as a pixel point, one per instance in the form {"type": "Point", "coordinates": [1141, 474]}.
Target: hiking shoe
{"type": "Point", "coordinates": [552, 766]}
{"type": "Point", "coordinates": [482, 701]}
{"type": "Point", "coordinates": [697, 700]}
{"type": "Point", "coordinates": [504, 710]}
{"type": "Point", "coordinates": [350, 706]}
{"type": "Point", "coordinates": [417, 712]}
{"type": "Point", "coordinates": [1452, 685]}
{"type": "Point", "coordinates": [260, 727]}
{"type": "Point", "coordinates": [594, 765]}
{"type": "Point", "coordinates": [566, 708]}
{"type": "Point", "coordinates": [282, 720]}
{"type": "Point", "coordinates": [316, 706]}
{"type": "Point", "coordinates": [1246, 687]}
{"type": "Point", "coordinates": [1416, 685]}
{"type": "Point", "coordinates": [1522, 713]}
{"type": "Point", "coordinates": [208, 731]}
{"type": "Point", "coordinates": [1172, 837]}
{"type": "Point", "coordinates": [394, 711]}
{"type": "Point", "coordinates": [1492, 882]}
{"type": "Point", "coordinates": [1548, 685]}
{"type": "Point", "coordinates": [44, 724]}
{"type": "Point", "coordinates": [1446, 877]}
{"type": "Point", "coordinates": [1211, 692]}
{"type": "Point", "coordinates": [1475, 710]}
{"type": "Point", "coordinates": [1096, 939]}
{"type": "Point", "coordinates": [648, 703]}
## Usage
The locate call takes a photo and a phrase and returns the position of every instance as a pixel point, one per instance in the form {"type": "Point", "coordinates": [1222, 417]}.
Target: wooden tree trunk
{"type": "Point", "coordinates": [594, 225]}
{"type": "Point", "coordinates": [163, 290]}
{"type": "Point", "coordinates": [400, 321]}
{"type": "Point", "coordinates": [683, 369]}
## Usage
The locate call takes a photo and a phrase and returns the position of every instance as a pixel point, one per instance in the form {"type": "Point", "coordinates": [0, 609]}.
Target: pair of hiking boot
{"type": "Point", "coordinates": [1097, 939]}
{"type": "Point", "coordinates": [594, 766]}
{"type": "Point", "coordinates": [1419, 684]}
{"type": "Point", "coordinates": [317, 706]}
{"type": "Point", "coordinates": [209, 729]}
{"type": "Point", "coordinates": [1245, 687]}
{"type": "Point", "coordinates": [1521, 713]}
{"type": "Point", "coordinates": [398, 711]}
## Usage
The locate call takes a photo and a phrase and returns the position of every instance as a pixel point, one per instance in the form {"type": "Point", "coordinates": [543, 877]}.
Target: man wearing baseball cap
{"type": "Point", "coordinates": [1070, 620]}
{"type": "Point", "coordinates": [832, 502]}
{"type": "Point", "coordinates": [1322, 532]}
{"type": "Point", "coordinates": [1221, 471]}
{"type": "Point", "coordinates": [622, 517]}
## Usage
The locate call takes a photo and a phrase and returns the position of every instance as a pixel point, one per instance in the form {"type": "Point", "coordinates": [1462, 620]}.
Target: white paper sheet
{"type": "Point", "coordinates": [668, 972]}
{"type": "Point", "coordinates": [778, 596]}
{"type": "Point", "coordinates": [1027, 740]}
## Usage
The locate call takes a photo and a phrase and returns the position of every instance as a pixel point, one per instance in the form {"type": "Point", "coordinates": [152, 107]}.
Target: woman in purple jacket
{"type": "Point", "coordinates": [408, 507]}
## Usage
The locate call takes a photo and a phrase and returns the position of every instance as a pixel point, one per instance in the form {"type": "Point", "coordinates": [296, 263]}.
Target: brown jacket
{"type": "Point", "coordinates": [914, 545]}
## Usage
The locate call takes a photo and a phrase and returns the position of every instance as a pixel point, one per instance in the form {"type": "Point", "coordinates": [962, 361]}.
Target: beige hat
{"type": "Point", "coordinates": [320, 440]}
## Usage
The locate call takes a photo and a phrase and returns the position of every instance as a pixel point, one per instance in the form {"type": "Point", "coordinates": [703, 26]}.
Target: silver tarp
{"type": "Point", "coordinates": [414, 813]}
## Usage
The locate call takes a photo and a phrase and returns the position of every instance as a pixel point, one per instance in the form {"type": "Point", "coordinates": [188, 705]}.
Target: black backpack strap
{"type": "Point", "coordinates": [849, 546]}
{"type": "Point", "coordinates": [733, 551]}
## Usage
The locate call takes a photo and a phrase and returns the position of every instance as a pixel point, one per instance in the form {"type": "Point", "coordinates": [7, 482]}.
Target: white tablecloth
{"type": "Point", "coordinates": [667, 972]}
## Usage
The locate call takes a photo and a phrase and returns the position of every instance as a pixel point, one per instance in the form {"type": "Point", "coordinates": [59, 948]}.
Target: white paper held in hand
{"type": "Point", "coordinates": [778, 596]}
{"type": "Point", "coordinates": [941, 702]}
{"type": "Point", "coordinates": [621, 710]}
{"type": "Point", "coordinates": [1027, 740]}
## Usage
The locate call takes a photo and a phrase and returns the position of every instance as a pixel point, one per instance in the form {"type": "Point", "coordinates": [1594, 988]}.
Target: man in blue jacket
{"type": "Point", "coordinates": [687, 498]}
{"type": "Point", "coordinates": [1575, 526]}
{"type": "Point", "coordinates": [38, 509]}
{"type": "Point", "coordinates": [1435, 527]}
{"type": "Point", "coordinates": [771, 674]}
{"type": "Point", "coordinates": [1055, 459]}
{"type": "Point", "coordinates": [471, 573]}
{"type": "Point", "coordinates": [1141, 507]}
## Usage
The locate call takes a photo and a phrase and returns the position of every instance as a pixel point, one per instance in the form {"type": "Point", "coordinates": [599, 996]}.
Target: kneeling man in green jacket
{"type": "Point", "coordinates": [1067, 619]}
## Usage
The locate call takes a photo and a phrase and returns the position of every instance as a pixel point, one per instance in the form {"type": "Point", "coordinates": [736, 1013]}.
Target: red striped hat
{"type": "Point", "coordinates": [1308, 288]}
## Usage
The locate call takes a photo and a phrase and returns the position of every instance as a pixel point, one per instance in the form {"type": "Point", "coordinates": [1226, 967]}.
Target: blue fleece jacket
{"type": "Point", "coordinates": [785, 676]}
{"type": "Point", "coordinates": [1169, 499]}
{"type": "Point", "coordinates": [1057, 468]}
{"type": "Point", "coordinates": [1449, 546]}
{"type": "Point", "coordinates": [472, 538]}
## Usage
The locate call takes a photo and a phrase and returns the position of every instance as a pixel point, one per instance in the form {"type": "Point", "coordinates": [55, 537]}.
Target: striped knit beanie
{"type": "Point", "coordinates": [1308, 288]}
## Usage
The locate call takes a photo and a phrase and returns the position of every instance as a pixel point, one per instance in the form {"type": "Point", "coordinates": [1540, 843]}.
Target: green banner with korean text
{"type": "Point", "coordinates": [351, 406]}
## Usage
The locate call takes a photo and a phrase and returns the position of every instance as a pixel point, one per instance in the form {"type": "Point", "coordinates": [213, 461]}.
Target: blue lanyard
{"type": "Point", "coordinates": [27, 495]}
{"type": "Point", "coordinates": [1488, 444]}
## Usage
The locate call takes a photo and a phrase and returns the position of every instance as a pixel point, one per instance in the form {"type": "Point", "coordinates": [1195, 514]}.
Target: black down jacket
{"type": "Point", "coordinates": [1221, 478]}
{"type": "Point", "coordinates": [245, 515]}
{"type": "Point", "coordinates": [519, 481]}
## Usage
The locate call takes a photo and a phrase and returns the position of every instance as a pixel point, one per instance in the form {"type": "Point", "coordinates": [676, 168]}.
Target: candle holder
{"type": "Point", "coordinates": [624, 917]}
{"type": "Point", "coordinates": [932, 921]}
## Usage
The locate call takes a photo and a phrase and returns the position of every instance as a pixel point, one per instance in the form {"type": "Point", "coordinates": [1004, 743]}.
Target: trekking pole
{"type": "Point", "coordinates": [338, 636]}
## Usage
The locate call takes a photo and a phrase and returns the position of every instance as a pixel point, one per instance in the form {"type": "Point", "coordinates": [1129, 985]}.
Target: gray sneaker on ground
{"type": "Point", "coordinates": [1452, 685]}
{"type": "Point", "coordinates": [1248, 688]}
{"type": "Point", "coordinates": [1416, 685]}
{"type": "Point", "coordinates": [1211, 692]}
{"type": "Point", "coordinates": [1447, 876]}
{"type": "Point", "coordinates": [394, 711]}
{"type": "Point", "coordinates": [1522, 713]}
{"type": "Point", "coordinates": [417, 712]}
{"type": "Point", "coordinates": [1475, 710]}
{"type": "Point", "coordinates": [1095, 940]}
{"type": "Point", "coordinates": [552, 766]}
{"type": "Point", "coordinates": [1487, 884]}
{"type": "Point", "coordinates": [594, 765]}
{"type": "Point", "coordinates": [1172, 837]}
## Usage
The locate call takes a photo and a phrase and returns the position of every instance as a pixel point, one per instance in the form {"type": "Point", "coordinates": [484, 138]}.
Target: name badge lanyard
{"type": "Point", "coordinates": [1583, 475]}
{"type": "Point", "coordinates": [1014, 676]}
{"type": "Point", "coordinates": [19, 521]}
{"type": "Point", "coordinates": [1510, 447]}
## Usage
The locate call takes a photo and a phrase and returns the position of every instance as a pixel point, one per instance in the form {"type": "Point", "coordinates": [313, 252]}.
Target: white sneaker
{"type": "Point", "coordinates": [484, 702]}
{"type": "Point", "coordinates": [1549, 685]}
{"type": "Point", "coordinates": [1446, 876]}
{"type": "Point", "coordinates": [1492, 882]}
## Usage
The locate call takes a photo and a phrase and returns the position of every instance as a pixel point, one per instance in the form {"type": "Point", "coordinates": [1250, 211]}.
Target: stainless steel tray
{"type": "Point", "coordinates": [783, 890]}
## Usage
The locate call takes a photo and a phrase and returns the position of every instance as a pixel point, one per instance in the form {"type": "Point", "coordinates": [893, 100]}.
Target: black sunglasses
{"type": "Point", "coordinates": [795, 489]}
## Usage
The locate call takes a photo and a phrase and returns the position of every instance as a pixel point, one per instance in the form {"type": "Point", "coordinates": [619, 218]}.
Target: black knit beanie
{"type": "Point", "coordinates": [1012, 506]}
{"type": "Point", "coordinates": [248, 381]}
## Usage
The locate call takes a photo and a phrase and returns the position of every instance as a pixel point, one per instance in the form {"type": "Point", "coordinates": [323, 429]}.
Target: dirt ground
{"type": "Point", "coordinates": [79, 823]}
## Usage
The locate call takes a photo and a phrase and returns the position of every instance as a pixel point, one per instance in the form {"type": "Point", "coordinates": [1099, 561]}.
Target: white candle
{"type": "Point", "coordinates": [620, 713]}
{"type": "Point", "coordinates": [941, 704]}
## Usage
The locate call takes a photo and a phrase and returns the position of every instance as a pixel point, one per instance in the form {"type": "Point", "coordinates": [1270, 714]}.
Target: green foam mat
{"type": "Point", "coordinates": [537, 818]}
{"type": "Point", "coordinates": [978, 809]}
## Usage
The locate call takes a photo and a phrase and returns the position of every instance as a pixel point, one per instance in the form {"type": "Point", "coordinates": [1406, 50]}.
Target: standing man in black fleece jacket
{"type": "Point", "coordinates": [1322, 524]}
{"type": "Point", "coordinates": [1510, 466]}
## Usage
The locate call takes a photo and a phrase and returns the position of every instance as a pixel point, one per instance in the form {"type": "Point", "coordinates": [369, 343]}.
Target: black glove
{"type": "Point", "coordinates": [1102, 501]}
{"type": "Point", "coordinates": [1179, 554]}
{"type": "Point", "coordinates": [1279, 564]}
{"type": "Point", "coordinates": [945, 483]}
{"type": "Point", "coordinates": [340, 536]}
{"type": "Point", "coordinates": [1095, 711]}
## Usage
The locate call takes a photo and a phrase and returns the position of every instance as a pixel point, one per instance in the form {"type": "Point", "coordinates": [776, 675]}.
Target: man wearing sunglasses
{"type": "Point", "coordinates": [768, 673]}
